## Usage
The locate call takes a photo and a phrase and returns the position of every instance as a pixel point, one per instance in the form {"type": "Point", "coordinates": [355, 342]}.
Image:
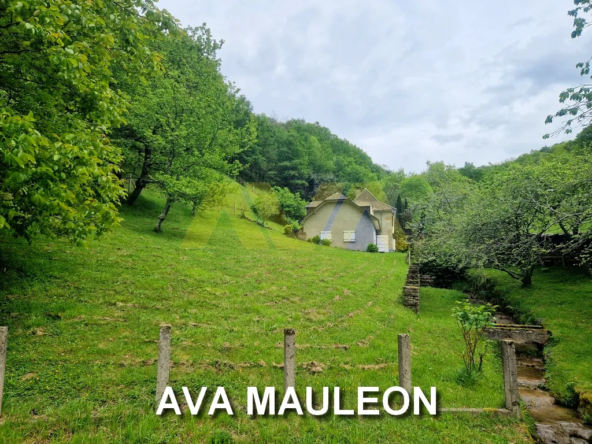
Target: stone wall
{"type": "Point", "coordinates": [411, 289]}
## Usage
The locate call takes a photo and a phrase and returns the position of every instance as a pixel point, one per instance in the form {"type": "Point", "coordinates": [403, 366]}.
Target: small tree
{"type": "Point", "coordinates": [472, 320]}
{"type": "Point", "coordinates": [266, 205]}
{"type": "Point", "coordinates": [292, 205]}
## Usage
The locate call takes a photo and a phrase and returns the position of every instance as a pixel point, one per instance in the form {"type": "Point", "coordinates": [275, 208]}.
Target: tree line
{"type": "Point", "coordinates": [94, 93]}
{"type": "Point", "coordinates": [513, 218]}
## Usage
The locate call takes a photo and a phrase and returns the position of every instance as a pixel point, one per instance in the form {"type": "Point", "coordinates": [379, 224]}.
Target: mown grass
{"type": "Point", "coordinates": [84, 325]}
{"type": "Point", "coordinates": [562, 299]}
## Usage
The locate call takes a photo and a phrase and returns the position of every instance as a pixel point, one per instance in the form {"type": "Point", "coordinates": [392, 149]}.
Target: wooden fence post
{"type": "Point", "coordinates": [164, 360]}
{"type": "Point", "coordinates": [405, 363]}
{"type": "Point", "coordinates": [3, 346]}
{"type": "Point", "coordinates": [510, 377]}
{"type": "Point", "coordinates": [289, 358]}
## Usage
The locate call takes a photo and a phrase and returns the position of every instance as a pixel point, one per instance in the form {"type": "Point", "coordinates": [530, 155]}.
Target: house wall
{"type": "Point", "coordinates": [338, 217]}
{"type": "Point", "coordinates": [387, 226]}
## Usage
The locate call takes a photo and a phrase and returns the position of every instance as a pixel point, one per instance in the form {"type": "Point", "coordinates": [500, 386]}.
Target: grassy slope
{"type": "Point", "coordinates": [562, 298]}
{"type": "Point", "coordinates": [84, 323]}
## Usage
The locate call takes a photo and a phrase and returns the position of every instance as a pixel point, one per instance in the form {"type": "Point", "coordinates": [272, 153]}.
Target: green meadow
{"type": "Point", "coordinates": [84, 324]}
{"type": "Point", "coordinates": [560, 299]}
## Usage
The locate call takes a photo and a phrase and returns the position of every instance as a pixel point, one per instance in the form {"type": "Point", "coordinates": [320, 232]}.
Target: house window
{"type": "Point", "coordinates": [349, 236]}
{"type": "Point", "coordinates": [326, 235]}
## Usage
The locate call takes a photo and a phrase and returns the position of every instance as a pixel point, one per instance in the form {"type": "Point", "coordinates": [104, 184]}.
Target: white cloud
{"type": "Point", "coordinates": [406, 81]}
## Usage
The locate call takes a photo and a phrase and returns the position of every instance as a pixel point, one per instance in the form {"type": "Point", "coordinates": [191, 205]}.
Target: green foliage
{"type": "Point", "coordinates": [292, 205]}
{"type": "Point", "coordinates": [415, 189]}
{"type": "Point", "coordinates": [187, 125]}
{"type": "Point", "coordinates": [316, 239]}
{"type": "Point", "coordinates": [57, 105]}
{"type": "Point", "coordinates": [391, 185]}
{"type": "Point", "coordinates": [325, 242]}
{"type": "Point", "coordinates": [372, 248]}
{"type": "Point", "coordinates": [472, 320]}
{"type": "Point", "coordinates": [504, 220]}
{"type": "Point", "coordinates": [266, 205]}
{"type": "Point", "coordinates": [578, 110]}
{"type": "Point", "coordinates": [401, 242]}
{"type": "Point", "coordinates": [302, 156]}
{"type": "Point", "coordinates": [288, 230]}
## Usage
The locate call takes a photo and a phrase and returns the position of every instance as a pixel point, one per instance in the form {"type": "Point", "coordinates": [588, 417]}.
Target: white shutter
{"type": "Point", "coordinates": [349, 236]}
{"type": "Point", "coordinates": [326, 235]}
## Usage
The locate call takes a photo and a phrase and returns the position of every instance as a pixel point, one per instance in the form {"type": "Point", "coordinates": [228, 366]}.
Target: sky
{"type": "Point", "coordinates": [406, 81]}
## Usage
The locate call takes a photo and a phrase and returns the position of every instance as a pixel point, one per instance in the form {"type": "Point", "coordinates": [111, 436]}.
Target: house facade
{"type": "Point", "coordinates": [351, 224]}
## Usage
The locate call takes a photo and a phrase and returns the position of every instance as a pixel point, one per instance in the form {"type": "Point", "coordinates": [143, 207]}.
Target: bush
{"type": "Point", "coordinates": [325, 242]}
{"type": "Point", "coordinates": [292, 205]}
{"type": "Point", "coordinates": [288, 230]}
{"type": "Point", "coordinates": [472, 320]}
{"type": "Point", "coordinates": [266, 206]}
{"type": "Point", "coordinates": [295, 226]}
{"type": "Point", "coordinates": [372, 248]}
{"type": "Point", "coordinates": [401, 243]}
{"type": "Point", "coordinates": [316, 240]}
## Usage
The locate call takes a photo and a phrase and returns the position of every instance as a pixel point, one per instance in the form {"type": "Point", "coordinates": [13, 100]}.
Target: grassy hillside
{"type": "Point", "coordinates": [84, 324]}
{"type": "Point", "coordinates": [562, 299]}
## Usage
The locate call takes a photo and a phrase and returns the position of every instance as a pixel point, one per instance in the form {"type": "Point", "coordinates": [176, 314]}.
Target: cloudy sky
{"type": "Point", "coordinates": [406, 81]}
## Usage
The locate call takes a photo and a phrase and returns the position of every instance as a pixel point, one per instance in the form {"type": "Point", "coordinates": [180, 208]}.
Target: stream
{"type": "Point", "coordinates": [554, 423]}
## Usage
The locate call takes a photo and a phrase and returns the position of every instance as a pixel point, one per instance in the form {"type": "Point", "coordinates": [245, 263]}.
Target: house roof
{"type": "Point", "coordinates": [339, 197]}
{"type": "Point", "coordinates": [367, 199]}
{"type": "Point", "coordinates": [335, 196]}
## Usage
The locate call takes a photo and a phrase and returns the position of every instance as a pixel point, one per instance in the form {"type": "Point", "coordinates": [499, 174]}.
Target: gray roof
{"type": "Point", "coordinates": [367, 199]}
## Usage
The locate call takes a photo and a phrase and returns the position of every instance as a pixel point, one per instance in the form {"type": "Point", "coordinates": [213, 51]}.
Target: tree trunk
{"type": "Point", "coordinates": [527, 277]}
{"type": "Point", "coordinates": [140, 185]}
{"type": "Point", "coordinates": [163, 215]}
{"type": "Point", "coordinates": [144, 176]}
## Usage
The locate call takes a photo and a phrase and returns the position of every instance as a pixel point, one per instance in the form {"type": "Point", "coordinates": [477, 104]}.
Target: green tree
{"type": "Point", "coordinates": [578, 100]}
{"type": "Point", "coordinates": [473, 320]}
{"type": "Point", "coordinates": [416, 189]}
{"type": "Point", "coordinates": [291, 204]}
{"type": "Point", "coordinates": [266, 205]}
{"type": "Point", "coordinates": [186, 126]}
{"type": "Point", "coordinates": [58, 102]}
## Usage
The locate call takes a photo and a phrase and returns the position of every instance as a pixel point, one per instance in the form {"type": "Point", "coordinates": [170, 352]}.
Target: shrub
{"type": "Point", "coordinates": [325, 242]}
{"type": "Point", "coordinates": [288, 230]}
{"type": "Point", "coordinates": [266, 206]}
{"type": "Point", "coordinates": [292, 205]}
{"type": "Point", "coordinates": [372, 248]}
{"type": "Point", "coordinates": [295, 226]}
{"type": "Point", "coordinates": [401, 243]}
{"type": "Point", "coordinates": [316, 239]}
{"type": "Point", "coordinates": [473, 319]}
